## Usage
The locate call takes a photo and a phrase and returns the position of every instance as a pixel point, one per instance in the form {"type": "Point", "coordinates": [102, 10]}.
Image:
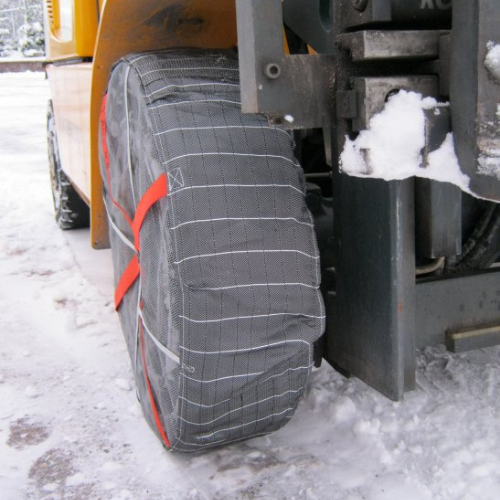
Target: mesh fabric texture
{"type": "Point", "coordinates": [229, 285]}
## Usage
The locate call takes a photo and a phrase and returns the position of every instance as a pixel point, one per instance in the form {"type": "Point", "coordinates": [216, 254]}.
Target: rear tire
{"type": "Point", "coordinates": [70, 211]}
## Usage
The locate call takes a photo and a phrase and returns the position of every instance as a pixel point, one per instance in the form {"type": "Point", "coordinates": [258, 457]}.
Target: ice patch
{"type": "Point", "coordinates": [391, 148]}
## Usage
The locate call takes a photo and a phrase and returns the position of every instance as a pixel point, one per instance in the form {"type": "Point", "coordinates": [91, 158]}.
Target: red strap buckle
{"type": "Point", "coordinates": [155, 192]}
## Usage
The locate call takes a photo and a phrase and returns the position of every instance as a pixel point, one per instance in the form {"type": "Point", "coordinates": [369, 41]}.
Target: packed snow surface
{"type": "Point", "coordinates": [392, 146]}
{"type": "Point", "coordinates": [70, 425]}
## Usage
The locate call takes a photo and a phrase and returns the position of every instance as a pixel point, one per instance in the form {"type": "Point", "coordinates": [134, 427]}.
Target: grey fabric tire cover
{"type": "Point", "coordinates": [228, 292]}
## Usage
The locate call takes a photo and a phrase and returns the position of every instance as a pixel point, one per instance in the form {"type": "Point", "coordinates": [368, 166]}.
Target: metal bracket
{"type": "Point", "coordinates": [461, 311]}
{"type": "Point", "coordinates": [375, 45]}
{"type": "Point", "coordinates": [295, 91]}
{"type": "Point", "coordinates": [373, 91]}
{"type": "Point", "coordinates": [476, 338]}
{"type": "Point", "coordinates": [313, 21]}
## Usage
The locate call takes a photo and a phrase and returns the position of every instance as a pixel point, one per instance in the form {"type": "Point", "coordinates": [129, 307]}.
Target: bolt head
{"type": "Point", "coordinates": [272, 71]}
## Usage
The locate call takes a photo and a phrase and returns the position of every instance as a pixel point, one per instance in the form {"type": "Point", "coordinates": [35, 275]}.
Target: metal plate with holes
{"type": "Point", "coordinates": [294, 91]}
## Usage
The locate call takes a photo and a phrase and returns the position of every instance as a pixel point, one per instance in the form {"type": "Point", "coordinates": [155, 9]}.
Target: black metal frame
{"type": "Point", "coordinates": [378, 312]}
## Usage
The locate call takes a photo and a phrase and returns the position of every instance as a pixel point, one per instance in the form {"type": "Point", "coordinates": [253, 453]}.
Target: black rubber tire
{"type": "Point", "coordinates": [70, 211]}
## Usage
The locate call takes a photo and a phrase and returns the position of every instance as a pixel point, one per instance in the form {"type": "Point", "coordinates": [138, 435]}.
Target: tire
{"type": "Point", "coordinates": [221, 322]}
{"type": "Point", "coordinates": [70, 211]}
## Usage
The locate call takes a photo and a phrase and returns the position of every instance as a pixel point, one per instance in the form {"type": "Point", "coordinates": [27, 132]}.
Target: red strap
{"type": "Point", "coordinates": [105, 151]}
{"type": "Point", "coordinates": [127, 279]}
{"type": "Point", "coordinates": [150, 391]}
{"type": "Point", "coordinates": [155, 192]}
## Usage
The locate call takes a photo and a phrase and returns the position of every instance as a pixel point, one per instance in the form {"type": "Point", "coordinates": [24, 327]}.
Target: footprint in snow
{"type": "Point", "coordinates": [24, 433]}
{"type": "Point", "coordinates": [54, 476]}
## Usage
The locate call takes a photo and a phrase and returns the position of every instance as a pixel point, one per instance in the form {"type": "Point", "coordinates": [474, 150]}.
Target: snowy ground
{"type": "Point", "coordinates": [70, 426]}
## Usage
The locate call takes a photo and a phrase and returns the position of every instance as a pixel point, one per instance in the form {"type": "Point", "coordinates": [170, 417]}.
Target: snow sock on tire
{"type": "Point", "coordinates": [215, 256]}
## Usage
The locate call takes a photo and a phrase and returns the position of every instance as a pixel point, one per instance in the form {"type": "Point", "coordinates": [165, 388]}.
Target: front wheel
{"type": "Point", "coordinates": [213, 246]}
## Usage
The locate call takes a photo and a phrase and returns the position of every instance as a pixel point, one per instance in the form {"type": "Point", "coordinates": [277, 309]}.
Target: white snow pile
{"type": "Point", "coordinates": [492, 60]}
{"type": "Point", "coordinates": [391, 148]}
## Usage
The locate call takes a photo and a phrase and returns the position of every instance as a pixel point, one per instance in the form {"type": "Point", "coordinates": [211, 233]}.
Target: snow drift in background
{"type": "Point", "coordinates": [392, 147]}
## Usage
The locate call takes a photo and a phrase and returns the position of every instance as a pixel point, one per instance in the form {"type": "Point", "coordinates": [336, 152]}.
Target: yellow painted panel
{"type": "Point", "coordinates": [71, 28]}
{"type": "Point", "coordinates": [85, 24]}
{"type": "Point", "coordinates": [70, 88]}
{"type": "Point", "coordinates": [135, 26]}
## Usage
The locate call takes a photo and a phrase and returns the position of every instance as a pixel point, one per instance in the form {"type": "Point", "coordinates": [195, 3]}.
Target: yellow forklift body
{"type": "Point", "coordinates": [71, 28]}
{"type": "Point", "coordinates": [73, 120]}
{"type": "Point", "coordinates": [128, 26]}
{"type": "Point", "coordinates": [124, 27]}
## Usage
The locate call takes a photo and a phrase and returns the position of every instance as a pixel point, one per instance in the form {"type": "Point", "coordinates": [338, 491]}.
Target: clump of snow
{"type": "Point", "coordinates": [343, 409]}
{"type": "Point", "coordinates": [76, 479]}
{"type": "Point", "coordinates": [31, 392]}
{"type": "Point", "coordinates": [391, 148]}
{"type": "Point", "coordinates": [123, 384]}
{"type": "Point", "coordinates": [443, 164]}
{"type": "Point", "coordinates": [50, 487]}
{"type": "Point", "coordinates": [492, 60]}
